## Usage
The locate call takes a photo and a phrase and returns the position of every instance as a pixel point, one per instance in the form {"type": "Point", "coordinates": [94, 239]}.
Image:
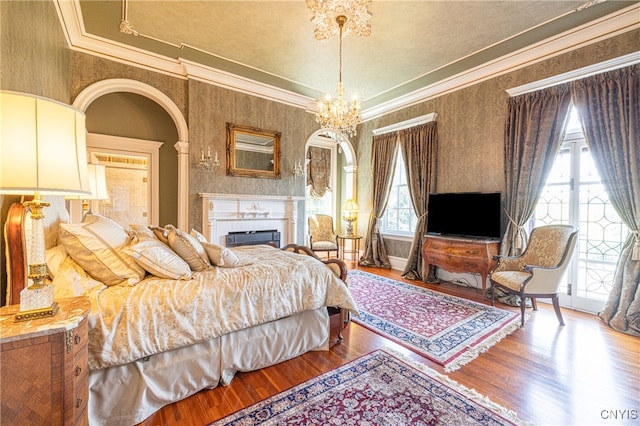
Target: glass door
{"type": "Point", "coordinates": [574, 194]}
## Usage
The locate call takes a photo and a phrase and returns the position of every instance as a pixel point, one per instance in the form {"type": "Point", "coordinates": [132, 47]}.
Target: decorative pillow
{"type": "Point", "coordinates": [198, 236]}
{"type": "Point", "coordinates": [221, 256]}
{"type": "Point", "coordinates": [141, 233]}
{"type": "Point", "coordinates": [99, 246]}
{"type": "Point", "coordinates": [54, 258]}
{"type": "Point", "coordinates": [159, 260]}
{"type": "Point", "coordinates": [161, 233]}
{"type": "Point", "coordinates": [188, 248]}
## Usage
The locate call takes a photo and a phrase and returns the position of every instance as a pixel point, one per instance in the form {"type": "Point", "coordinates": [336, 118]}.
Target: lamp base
{"type": "Point", "coordinates": [37, 313]}
{"type": "Point", "coordinates": [349, 228]}
{"type": "Point", "coordinates": [36, 301]}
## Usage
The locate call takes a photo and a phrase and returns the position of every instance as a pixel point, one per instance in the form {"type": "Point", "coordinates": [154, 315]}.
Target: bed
{"type": "Point", "coordinates": [154, 341]}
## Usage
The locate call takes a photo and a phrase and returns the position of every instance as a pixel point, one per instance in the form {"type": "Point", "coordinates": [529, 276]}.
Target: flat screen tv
{"type": "Point", "coordinates": [465, 214]}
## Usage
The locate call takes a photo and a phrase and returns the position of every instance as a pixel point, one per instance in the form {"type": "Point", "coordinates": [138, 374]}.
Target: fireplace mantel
{"type": "Point", "coordinates": [224, 213]}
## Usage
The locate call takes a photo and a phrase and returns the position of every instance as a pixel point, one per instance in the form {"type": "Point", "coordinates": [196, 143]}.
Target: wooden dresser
{"type": "Point", "coordinates": [458, 254]}
{"type": "Point", "coordinates": [44, 370]}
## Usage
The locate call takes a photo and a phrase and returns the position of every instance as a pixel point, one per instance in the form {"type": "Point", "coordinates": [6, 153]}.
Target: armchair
{"type": "Point", "coordinates": [322, 236]}
{"type": "Point", "coordinates": [539, 270]}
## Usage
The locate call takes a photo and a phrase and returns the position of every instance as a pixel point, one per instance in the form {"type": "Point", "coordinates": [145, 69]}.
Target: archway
{"type": "Point", "coordinates": [98, 89]}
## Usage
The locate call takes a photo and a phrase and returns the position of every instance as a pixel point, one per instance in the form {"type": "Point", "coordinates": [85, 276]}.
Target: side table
{"type": "Point", "coordinates": [44, 370]}
{"type": "Point", "coordinates": [355, 246]}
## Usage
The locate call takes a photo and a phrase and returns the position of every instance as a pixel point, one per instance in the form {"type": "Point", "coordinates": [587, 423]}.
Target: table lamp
{"type": "Point", "coordinates": [42, 152]}
{"type": "Point", "coordinates": [350, 214]}
{"type": "Point", "coordinates": [97, 186]}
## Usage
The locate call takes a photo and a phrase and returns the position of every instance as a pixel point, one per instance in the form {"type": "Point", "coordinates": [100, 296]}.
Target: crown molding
{"type": "Point", "coordinates": [69, 13]}
{"type": "Point", "coordinates": [606, 27]}
{"type": "Point", "coordinates": [196, 71]}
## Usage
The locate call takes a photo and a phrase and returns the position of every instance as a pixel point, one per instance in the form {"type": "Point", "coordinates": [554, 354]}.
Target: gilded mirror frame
{"type": "Point", "coordinates": [241, 139]}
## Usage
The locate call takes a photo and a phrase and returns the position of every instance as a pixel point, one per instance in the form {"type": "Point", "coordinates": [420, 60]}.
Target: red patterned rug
{"type": "Point", "coordinates": [446, 329]}
{"type": "Point", "coordinates": [376, 389]}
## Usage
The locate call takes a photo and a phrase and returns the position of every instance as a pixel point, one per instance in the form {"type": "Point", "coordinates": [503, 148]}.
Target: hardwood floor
{"type": "Point", "coordinates": [582, 374]}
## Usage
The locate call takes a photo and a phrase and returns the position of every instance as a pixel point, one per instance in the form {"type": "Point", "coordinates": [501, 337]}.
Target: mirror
{"type": "Point", "coordinates": [253, 152]}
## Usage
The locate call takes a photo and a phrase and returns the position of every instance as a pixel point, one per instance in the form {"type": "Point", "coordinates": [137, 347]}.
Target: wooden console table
{"type": "Point", "coordinates": [459, 254]}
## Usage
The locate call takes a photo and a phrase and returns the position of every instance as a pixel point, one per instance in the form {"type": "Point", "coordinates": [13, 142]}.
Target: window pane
{"type": "Point", "coordinates": [399, 217]}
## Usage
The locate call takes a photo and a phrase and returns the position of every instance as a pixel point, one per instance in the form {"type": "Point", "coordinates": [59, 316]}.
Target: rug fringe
{"type": "Point", "coordinates": [474, 351]}
{"type": "Point", "coordinates": [467, 392]}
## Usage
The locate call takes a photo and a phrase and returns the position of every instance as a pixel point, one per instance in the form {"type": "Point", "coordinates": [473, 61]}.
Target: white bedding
{"type": "Point", "coordinates": [156, 315]}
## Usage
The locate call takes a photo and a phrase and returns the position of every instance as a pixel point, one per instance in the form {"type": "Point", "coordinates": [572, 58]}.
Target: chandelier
{"type": "Point", "coordinates": [325, 13]}
{"type": "Point", "coordinates": [339, 116]}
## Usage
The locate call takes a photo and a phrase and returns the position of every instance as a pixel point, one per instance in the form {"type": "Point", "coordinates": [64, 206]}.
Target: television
{"type": "Point", "coordinates": [465, 214]}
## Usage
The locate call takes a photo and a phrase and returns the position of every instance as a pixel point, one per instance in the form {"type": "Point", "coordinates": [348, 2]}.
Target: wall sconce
{"type": "Point", "coordinates": [298, 171]}
{"type": "Point", "coordinates": [206, 162]}
{"type": "Point", "coordinates": [350, 215]}
{"type": "Point", "coordinates": [43, 152]}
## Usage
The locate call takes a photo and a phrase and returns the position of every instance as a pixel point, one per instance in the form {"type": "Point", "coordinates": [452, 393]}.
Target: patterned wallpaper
{"type": "Point", "coordinates": [471, 125]}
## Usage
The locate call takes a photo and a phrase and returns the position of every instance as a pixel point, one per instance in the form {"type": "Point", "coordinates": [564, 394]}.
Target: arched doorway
{"type": "Point", "coordinates": [101, 88]}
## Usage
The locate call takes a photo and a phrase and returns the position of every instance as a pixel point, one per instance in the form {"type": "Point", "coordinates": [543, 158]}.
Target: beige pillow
{"type": "Point", "coordinates": [159, 260]}
{"type": "Point", "coordinates": [99, 245]}
{"type": "Point", "coordinates": [161, 233]}
{"type": "Point", "coordinates": [54, 258]}
{"type": "Point", "coordinates": [141, 233]}
{"type": "Point", "coordinates": [198, 236]}
{"type": "Point", "coordinates": [188, 248]}
{"type": "Point", "coordinates": [221, 256]}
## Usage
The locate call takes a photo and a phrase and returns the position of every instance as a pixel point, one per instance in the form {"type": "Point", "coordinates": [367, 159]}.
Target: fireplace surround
{"type": "Point", "coordinates": [224, 214]}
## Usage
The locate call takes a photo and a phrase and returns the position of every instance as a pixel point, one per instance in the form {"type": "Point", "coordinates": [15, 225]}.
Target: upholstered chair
{"type": "Point", "coordinates": [322, 236]}
{"type": "Point", "coordinates": [538, 272]}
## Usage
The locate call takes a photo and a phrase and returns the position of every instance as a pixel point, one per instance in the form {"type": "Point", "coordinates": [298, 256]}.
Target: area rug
{"type": "Point", "coordinates": [446, 329]}
{"type": "Point", "coordinates": [379, 388]}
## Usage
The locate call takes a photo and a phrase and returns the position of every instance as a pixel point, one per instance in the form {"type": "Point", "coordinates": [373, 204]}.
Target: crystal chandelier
{"type": "Point", "coordinates": [325, 13]}
{"type": "Point", "coordinates": [339, 116]}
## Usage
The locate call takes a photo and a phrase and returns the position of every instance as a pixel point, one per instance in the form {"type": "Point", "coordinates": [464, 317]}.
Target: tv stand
{"type": "Point", "coordinates": [459, 254]}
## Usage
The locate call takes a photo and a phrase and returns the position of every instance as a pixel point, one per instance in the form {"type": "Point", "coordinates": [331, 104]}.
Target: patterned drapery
{"type": "Point", "coordinates": [383, 159]}
{"type": "Point", "coordinates": [319, 172]}
{"type": "Point", "coordinates": [534, 130]}
{"type": "Point", "coordinates": [419, 146]}
{"type": "Point", "coordinates": [609, 107]}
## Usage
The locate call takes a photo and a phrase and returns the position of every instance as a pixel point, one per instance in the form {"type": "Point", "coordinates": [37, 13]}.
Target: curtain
{"type": "Point", "coordinates": [609, 107]}
{"type": "Point", "coordinates": [533, 134]}
{"type": "Point", "coordinates": [419, 146]}
{"type": "Point", "coordinates": [383, 159]}
{"type": "Point", "coordinates": [319, 173]}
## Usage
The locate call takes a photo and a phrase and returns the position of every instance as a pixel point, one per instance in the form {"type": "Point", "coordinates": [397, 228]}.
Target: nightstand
{"type": "Point", "coordinates": [44, 370]}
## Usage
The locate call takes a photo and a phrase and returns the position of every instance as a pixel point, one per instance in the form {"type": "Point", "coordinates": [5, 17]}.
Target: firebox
{"type": "Point", "coordinates": [249, 238]}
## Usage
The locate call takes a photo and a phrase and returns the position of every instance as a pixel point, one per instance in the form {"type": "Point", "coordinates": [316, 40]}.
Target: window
{"type": "Point", "coordinates": [399, 217]}
{"type": "Point", "coordinates": [574, 194]}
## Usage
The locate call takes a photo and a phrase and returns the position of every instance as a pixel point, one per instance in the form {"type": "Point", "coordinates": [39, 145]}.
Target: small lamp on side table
{"type": "Point", "coordinates": [42, 152]}
{"type": "Point", "coordinates": [350, 215]}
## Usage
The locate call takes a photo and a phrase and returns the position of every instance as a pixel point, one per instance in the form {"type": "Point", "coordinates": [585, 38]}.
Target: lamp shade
{"type": "Point", "coordinates": [97, 184]}
{"type": "Point", "coordinates": [350, 205]}
{"type": "Point", "coordinates": [42, 146]}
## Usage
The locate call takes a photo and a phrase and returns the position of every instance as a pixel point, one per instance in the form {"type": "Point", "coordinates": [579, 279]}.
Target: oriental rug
{"type": "Point", "coordinates": [379, 388]}
{"type": "Point", "coordinates": [446, 329]}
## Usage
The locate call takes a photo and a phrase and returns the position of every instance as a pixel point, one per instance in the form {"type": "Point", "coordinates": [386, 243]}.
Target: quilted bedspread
{"type": "Point", "coordinates": [131, 322]}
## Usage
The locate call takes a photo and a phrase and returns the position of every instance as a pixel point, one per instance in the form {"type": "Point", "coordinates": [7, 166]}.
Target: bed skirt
{"type": "Point", "coordinates": [128, 394]}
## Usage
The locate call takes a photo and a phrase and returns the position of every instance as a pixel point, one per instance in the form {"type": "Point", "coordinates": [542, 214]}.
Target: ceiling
{"type": "Point", "coordinates": [271, 44]}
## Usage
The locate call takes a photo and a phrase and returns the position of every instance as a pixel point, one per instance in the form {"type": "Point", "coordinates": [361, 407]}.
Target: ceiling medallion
{"type": "Point", "coordinates": [325, 13]}
{"type": "Point", "coordinates": [338, 115]}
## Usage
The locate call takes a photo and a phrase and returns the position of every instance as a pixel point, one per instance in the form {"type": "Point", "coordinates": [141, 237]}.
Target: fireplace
{"type": "Point", "coordinates": [250, 238]}
{"type": "Point", "coordinates": [235, 214]}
